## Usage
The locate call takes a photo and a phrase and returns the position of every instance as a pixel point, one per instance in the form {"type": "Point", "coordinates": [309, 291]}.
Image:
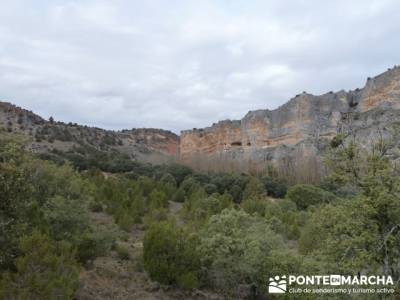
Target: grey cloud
{"type": "Point", "coordinates": [183, 64]}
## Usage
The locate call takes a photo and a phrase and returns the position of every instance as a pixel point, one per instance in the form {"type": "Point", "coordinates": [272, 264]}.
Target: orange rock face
{"type": "Point", "coordinates": [305, 120]}
{"type": "Point", "coordinates": [384, 88]}
{"type": "Point", "coordinates": [211, 140]}
{"type": "Point", "coordinates": [158, 140]}
{"type": "Point", "coordinates": [262, 129]}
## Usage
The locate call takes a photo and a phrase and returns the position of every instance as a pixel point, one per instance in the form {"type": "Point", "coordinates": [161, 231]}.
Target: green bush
{"type": "Point", "coordinates": [189, 185]}
{"type": "Point", "coordinates": [254, 206]}
{"type": "Point", "coordinates": [254, 188]}
{"type": "Point", "coordinates": [188, 280]}
{"type": "Point", "coordinates": [287, 205]}
{"type": "Point", "coordinates": [169, 254]}
{"type": "Point", "coordinates": [236, 193]}
{"type": "Point", "coordinates": [273, 209]}
{"type": "Point", "coordinates": [179, 172]}
{"type": "Point", "coordinates": [225, 200]}
{"type": "Point", "coordinates": [44, 271]}
{"type": "Point", "coordinates": [146, 184]}
{"type": "Point", "coordinates": [305, 195]}
{"type": "Point", "coordinates": [15, 205]}
{"type": "Point", "coordinates": [95, 206]}
{"type": "Point", "coordinates": [125, 221]}
{"type": "Point", "coordinates": [155, 215]}
{"type": "Point", "coordinates": [275, 188]}
{"type": "Point", "coordinates": [168, 179]}
{"type": "Point", "coordinates": [179, 195]}
{"type": "Point", "coordinates": [67, 218]}
{"type": "Point", "coordinates": [224, 182]}
{"type": "Point", "coordinates": [157, 199]}
{"type": "Point", "coordinates": [122, 252]}
{"type": "Point", "coordinates": [210, 206]}
{"type": "Point", "coordinates": [92, 245]}
{"type": "Point", "coordinates": [210, 188]}
{"type": "Point", "coordinates": [234, 247]}
{"type": "Point", "coordinates": [353, 222]}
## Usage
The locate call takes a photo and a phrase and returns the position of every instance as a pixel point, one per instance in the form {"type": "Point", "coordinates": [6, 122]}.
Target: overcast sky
{"type": "Point", "coordinates": [182, 64]}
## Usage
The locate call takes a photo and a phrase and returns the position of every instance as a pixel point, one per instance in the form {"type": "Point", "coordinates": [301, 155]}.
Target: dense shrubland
{"type": "Point", "coordinates": [45, 232]}
{"type": "Point", "coordinates": [233, 232]}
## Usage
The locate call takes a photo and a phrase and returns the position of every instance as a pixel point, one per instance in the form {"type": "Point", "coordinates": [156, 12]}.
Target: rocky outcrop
{"type": "Point", "coordinates": [150, 142]}
{"type": "Point", "coordinates": [292, 137]}
{"type": "Point", "coordinates": [295, 132]}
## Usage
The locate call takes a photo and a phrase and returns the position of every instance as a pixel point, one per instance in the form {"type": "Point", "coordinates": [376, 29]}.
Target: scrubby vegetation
{"type": "Point", "coordinates": [44, 227]}
{"type": "Point", "coordinates": [234, 231]}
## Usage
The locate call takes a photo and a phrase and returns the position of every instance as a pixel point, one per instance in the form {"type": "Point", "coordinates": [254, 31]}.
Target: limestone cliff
{"type": "Point", "coordinates": [292, 137]}
{"type": "Point", "coordinates": [295, 132]}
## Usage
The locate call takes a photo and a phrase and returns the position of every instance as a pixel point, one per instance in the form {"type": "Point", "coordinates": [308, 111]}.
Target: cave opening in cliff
{"type": "Point", "coordinates": [236, 144]}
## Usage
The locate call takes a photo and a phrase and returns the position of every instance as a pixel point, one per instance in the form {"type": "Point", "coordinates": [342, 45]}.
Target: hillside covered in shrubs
{"type": "Point", "coordinates": [221, 233]}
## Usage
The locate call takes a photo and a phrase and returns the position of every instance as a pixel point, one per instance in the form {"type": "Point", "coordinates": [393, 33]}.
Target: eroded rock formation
{"type": "Point", "coordinates": [296, 132]}
{"type": "Point", "coordinates": [292, 137]}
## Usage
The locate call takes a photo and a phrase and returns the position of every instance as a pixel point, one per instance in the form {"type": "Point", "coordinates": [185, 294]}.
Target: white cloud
{"type": "Point", "coordinates": [182, 64]}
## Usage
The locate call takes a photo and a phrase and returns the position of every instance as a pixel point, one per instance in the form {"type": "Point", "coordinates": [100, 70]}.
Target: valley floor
{"type": "Point", "coordinates": [111, 277]}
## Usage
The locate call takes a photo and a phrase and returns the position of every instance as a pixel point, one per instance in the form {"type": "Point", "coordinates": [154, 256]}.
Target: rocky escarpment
{"type": "Point", "coordinates": [144, 144]}
{"type": "Point", "coordinates": [294, 135]}
{"type": "Point", "coordinates": [292, 138]}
